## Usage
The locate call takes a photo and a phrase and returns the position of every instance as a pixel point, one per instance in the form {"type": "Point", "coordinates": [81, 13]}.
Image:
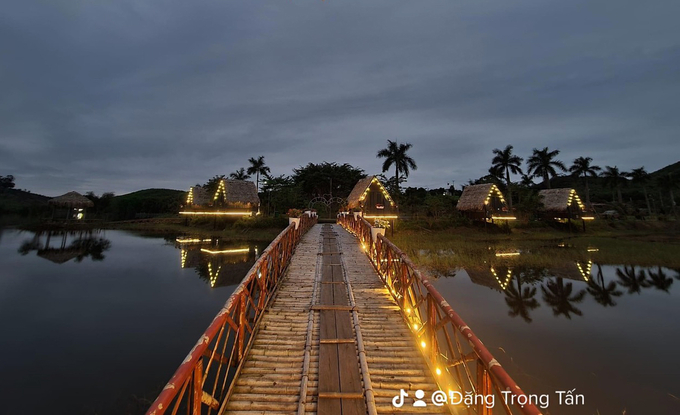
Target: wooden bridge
{"type": "Point", "coordinates": [333, 319]}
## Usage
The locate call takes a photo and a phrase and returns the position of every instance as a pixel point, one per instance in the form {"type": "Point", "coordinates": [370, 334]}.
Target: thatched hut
{"type": "Point", "coordinates": [197, 197]}
{"type": "Point", "coordinates": [483, 202]}
{"type": "Point", "coordinates": [232, 198]}
{"type": "Point", "coordinates": [497, 278]}
{"type": "Point", "coordinates": [562, 204]}
{"type": "Point", "coordinates": [73, 202]}
{"type": "Point", "coordinates": [573, 270]}
{"type": "Point", "coordinates": [371, 197]}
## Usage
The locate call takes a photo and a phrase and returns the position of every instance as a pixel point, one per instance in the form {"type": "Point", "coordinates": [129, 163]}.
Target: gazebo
{"type": "Point", "coordinates": [232, 198]}
{"type": "Point", "coordinates": [483, 202]}
{"type": "Point", "coordinates": [371, 197]}
{"type": "Point", "coordinates": [74, 203]}
{"type": "Point", "coordinates": [561, 204]}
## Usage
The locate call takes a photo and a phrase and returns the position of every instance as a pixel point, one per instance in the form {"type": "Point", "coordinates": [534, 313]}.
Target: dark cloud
{"type": "Point", "coordinates": [123, 95]}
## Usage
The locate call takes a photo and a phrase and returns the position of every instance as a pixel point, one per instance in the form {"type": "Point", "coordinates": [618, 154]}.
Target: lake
{"type": "Point", "coordinates": [97, 323]}
{"type": "Point", "coordinates": [609, 332]}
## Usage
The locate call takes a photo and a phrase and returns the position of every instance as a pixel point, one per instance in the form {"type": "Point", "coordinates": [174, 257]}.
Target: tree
{"type": "Point", "coordinates": [7, 182]}
{"type": "Point", "coordinates": [603, 294]}
{"type": "Point", "coordinates": [630, 279]}
{"type": "Point", "coordinates": [521, 301]}
{"type": "Point", "coordinates": [326, 179]}
{"type": "Point", "coordinates": [212, 184]}
{"type": "Point", "coordinates": [614, 179]}
{"type": "Point", "coordinates": [660, 280]}
{"type": "Point", "coordinates": [542, 163]}
{"type": "Point", "coordinates": [559, 297]}
{"type": "Point", "coordinates": [239, 174]}
{"type": "Point", "coordinates": [667, 182]}
{"type": "Point", "coordinates": [505, 162]}
{"type": "Point", "coordinates": [257, 167]}
{"type": "Point", "coordinates": [396, 154]}
{"type": "Point", "coordinates": [583, 168]}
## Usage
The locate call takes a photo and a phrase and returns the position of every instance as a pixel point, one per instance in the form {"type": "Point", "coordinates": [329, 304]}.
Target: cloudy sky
{"type": "Point", "coordinates": [124, 95]}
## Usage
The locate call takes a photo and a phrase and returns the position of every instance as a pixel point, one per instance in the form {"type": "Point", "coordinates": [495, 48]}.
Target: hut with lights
{"type": "Point", "coordinates": [483, 202]}
{"type": "Point", "coordinates": [562, 204]}
{"type": "Point", "coordinates": [372, 199]}
{"type": "Point", "coordinates": [573, 270]}
{"type": "Point", "coordinates": [236, 198]}
{"type": "Point", "coordinates": [73, 203]}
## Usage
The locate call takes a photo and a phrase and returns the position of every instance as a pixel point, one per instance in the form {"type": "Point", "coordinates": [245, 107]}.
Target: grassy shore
{"type": "Point", "coordinates": [226, 233]}
{"type": "Point", "coordinates": [635, 243]}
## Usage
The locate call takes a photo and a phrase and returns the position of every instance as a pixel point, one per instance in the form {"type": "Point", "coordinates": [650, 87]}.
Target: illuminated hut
{"type": "Point", "coordinates": [562, 204]}
{"type": "Point", "coordinates": [483, 202]}
{"type": "Point", "coordinates": [232, 198]}
{"type": "Point", "coordinates": [497, 278]}
{"type": "Point", "coordinates": [371, 197]}
{"type": "Point", "coordinates": [73, 202]}
{"type": "Point", "coordinates": [576, 270]}
{"type": "Point", "coordinates": [197, 197]}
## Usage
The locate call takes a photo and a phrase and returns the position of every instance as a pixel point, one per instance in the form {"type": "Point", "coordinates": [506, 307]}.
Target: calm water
{"type": "Point", "coordinates": [96, 324]}
{"type": "Point", "coordinates": [610, 332]}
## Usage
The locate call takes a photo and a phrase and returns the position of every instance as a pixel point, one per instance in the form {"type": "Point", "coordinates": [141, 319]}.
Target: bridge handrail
{"type": "Point", "coordinates": [215, 359]}
{"type": "Point", "coordinates": [441, 332]}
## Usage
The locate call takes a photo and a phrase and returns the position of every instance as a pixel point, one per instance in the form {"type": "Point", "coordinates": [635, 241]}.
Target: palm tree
{"type": "Point", "coordinates": [559, 297]}
{"type": "Point", "coordinates": [667, 182]}
{"type": "Point", "coordinates": [601, 293]}
{"type": "Point", "coordinates": [506, 162]}
{"type": "Point", "coordinates": [642, 177]}
{"type": "Point", "coordinates": [632, 280]}
{"type": "Point", "coordinates": [660, 280]}
{"type": "Point", "coordinates": [258, 168]}
{"type": "Point", "coordinates": [521, 301]}
{"type": "Point", "coordinates": [396, 154]}
{"type": "Point", "coordinates": [582, 168]}
{"type": "Point", "coordinates": [542, 163]}
{"type": "Point", "coordinates": [614, 179]}
{"type": "Point", "coordinates": [240, 174]}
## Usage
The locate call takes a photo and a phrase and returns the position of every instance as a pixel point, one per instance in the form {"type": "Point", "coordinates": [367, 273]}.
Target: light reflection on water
{"type": "Point", "coordinates": [608, 331]}
{"type": "Point", "coordinates": [96, 322]}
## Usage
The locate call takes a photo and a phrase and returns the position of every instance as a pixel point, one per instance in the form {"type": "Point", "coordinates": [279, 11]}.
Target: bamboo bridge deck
{"type": "Point", "coordinates": [333, 340]}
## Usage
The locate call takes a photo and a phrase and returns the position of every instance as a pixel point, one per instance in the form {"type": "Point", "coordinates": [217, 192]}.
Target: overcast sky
{"type": "Point", "coordinates": [125, 95]}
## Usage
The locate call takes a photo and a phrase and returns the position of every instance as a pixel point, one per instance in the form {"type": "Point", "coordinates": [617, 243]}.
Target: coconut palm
{"type": "Point", "coordinates": [641, 177]}
{"type": "Point", "coordinates": [559, 296]}
{"type": "Point", "coordinates": [615, 178]}
{"type": "Point", "coordinates": [396, 154]}
{"type": "Point", "coordinates": [257, 167]}
{"type": "Point", "coordinates": [602, 293]}
{"type": "Point", "coordinates": [240, 174]}
{"type": "Point", "coordinates": [668, 182]}
{"type": "Point", "coordinates": [542, 163]}
{"type": "Point", "coordinates": [521, 301]}
{"type": "Point", "coordinates": [660, 280]}
{"type": "Point", "coordinates": [505, 162]}
{"type": "Point", "coordinates": [583, 168]}
{"type": "Point", "coordinates": [628, 278]}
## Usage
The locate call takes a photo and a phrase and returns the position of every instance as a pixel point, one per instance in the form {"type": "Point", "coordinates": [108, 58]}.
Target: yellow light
{"type": "Point", "coordinates": [191, 240]}
{"type": "Point", "coordinates": [587, 217]}
{"type": "Point", "coordinates": [439, 371]}
{"type": "Point", "coordinates": [217, 213]}
{"type": "Point", "coordinates": [408, 311]}
{"type": "Point", "coordinates": [503, 217]}
{"type": "Point", "coordinates": [423, 344]}
{"type": "Point", "coordinates": [226, 251]}
{"type": "Point", "coordinates": [593, 250]}
{"type": "Point", "coordinates": [507, 253]}
{"type": "Point", "coordinates": [415, 327]}
{"type": "Point", "coordinates": [381, 217]}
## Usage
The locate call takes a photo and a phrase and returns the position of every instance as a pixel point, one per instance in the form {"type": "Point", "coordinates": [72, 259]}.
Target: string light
{"type": "Point", "coordinates": [190, 197]}
{"type": "Point", "coordinates": [213, 277]}
{"type": "Point", "coordinates": [184, 257]}
{"type": "Point", "coordinates": [191, 240]}
{"type": "Point", "coordinates": [226, 251]}
{"type": "Point", "coordinates": [585, 273]}
{"type": "Point", "coordinates": [507, 253]}
{"type": "Point", "coordinates": [217, 213]}
{"type": "Point", "coordinates": [221, 190]}
{"type": "Point", "coordinates": [505, 284]}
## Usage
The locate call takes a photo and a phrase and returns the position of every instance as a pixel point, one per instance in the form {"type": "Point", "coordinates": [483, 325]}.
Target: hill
{"type": "Point", "coordinates": [19, 202]}
{"type": "Point", "coordinates": [145, 203]}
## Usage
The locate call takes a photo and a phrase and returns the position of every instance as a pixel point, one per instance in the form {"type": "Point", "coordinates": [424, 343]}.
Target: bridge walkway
{"type": "Point", "coordinates": [333, 340]}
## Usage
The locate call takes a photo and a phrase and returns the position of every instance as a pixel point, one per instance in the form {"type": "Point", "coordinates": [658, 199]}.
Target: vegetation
{"type": "Point", "coordinates": [583, 168]}
{"type": "Point", "coordinates": [258, 167]}
{"type": "Point", "coordinates": [504, 163]}
{"type": "Point", "coordinates": [542, 163]}
{"type": "Point", "coordinates": [395, 154]}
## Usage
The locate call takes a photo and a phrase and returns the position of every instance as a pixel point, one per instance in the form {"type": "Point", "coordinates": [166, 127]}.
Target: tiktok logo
{"type": "Point", "coordinates": [398, 401]}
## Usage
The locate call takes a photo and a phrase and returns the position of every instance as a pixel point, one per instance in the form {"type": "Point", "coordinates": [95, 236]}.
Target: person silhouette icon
{"type": "Point", "coordinates": [419, 399]}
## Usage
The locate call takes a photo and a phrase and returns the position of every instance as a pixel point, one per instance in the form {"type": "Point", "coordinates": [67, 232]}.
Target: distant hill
{"type": "Point", "coordinates": [672, 168]}
{"type": "Point", "coordinates": [20, 202]}
{"type": "Point", "coordinates": [145, 203]}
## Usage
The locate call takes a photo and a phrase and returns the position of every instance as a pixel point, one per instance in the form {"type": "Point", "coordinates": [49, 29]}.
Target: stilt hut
{"type": "Point", "coordinates": [232, 198]}
{"type": "Point", "coordinates": [562, 204]}
{"type": "Point", "coordinates": [73, 203]}
{"type": "Point", "coordinates": [483, 202]}
{"type": "Point", "coordinates": [371, 197]}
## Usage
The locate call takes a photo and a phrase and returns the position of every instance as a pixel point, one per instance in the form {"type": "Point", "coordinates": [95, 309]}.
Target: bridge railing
{"type": "Point", "coordinates": [204, 379]}
{"type": "Point", "coordinates": [460, 363]}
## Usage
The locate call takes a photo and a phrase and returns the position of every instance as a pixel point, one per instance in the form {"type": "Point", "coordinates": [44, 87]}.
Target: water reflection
{"type": "Point", "coordinates": [216, 262]}
{"type": "Point", "coordinates": [566, 285]}
{"type": "Point", "coordinates": [62, 246]}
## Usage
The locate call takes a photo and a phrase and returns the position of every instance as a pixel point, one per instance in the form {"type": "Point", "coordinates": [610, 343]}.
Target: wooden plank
{"type": "Point", "coordinates": [336, 341]}
{"type": "Point", "coordinates": [350, 380]}
{"type": "Point", "coordinates": [333, 307]}
{"type": "Point", "coordinates": [341, 395]}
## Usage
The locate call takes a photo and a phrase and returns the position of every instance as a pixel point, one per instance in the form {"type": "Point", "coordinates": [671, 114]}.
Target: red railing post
{"type": "Point", "coordinates": [198, 388]}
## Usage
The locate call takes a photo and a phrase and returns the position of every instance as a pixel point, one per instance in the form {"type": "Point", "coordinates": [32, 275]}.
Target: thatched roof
{"type": "Point", "coordinates": [576, 270]}
{"type": "Point", "coordinates": [240, 191]}
{"type": "Point", "coordinates": [71, 200]}
{"type": "Point", "coordinates": [354, 198]}
{"type": "Point", "coordinates": [197, 196]}
{"type": "Point", "coordinates": [59, 256]}
{"type": "Point", "coordinates": [557, 200]}
{"type": "Point", "coordinates": [474, 196]}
